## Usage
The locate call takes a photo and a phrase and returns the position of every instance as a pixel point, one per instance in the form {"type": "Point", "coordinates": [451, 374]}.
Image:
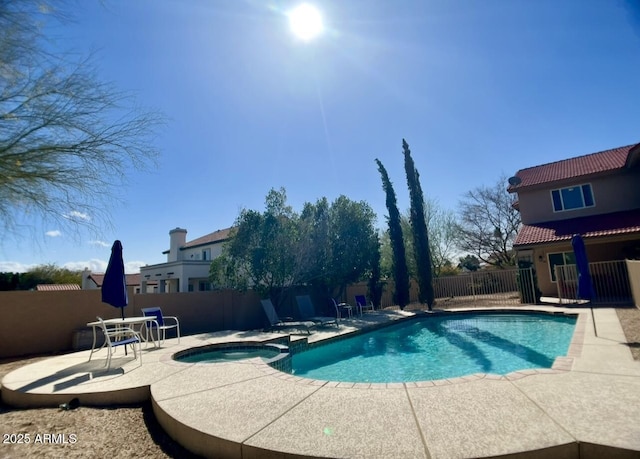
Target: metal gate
{"type": "Point", "coordinates": [610, 283]}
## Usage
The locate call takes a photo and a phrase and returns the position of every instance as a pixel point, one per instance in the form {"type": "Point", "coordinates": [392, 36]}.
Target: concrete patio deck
{"type": "Point", "coordinates": [587, 406]}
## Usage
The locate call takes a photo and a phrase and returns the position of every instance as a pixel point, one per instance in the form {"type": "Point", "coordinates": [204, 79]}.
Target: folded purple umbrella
{"type": "Point", "coordinates": [114, 287]}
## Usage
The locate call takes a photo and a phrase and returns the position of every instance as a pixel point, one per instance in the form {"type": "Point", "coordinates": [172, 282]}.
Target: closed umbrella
{"type": "Point", "coordinates": [585, 286]}
{"type": "Point", "coordinates": [114, 286]}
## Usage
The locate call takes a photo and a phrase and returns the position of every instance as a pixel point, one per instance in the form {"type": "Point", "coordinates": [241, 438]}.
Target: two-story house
{"type": "Point", "coordinates": [187, 266]}
{"type": "Point", "coordinates": [595, 195]}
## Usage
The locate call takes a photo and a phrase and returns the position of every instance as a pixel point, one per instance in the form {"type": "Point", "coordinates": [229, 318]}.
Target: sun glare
{"type": "Point", "coordinates": [305, 22]}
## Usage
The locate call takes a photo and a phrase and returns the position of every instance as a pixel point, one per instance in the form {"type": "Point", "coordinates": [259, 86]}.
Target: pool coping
{"type": "Point", "coordinates": [285, 429]}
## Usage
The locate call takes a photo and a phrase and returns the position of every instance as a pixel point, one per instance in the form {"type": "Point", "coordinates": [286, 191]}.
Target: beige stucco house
{"type": "Point", "coordinates": [595, 195]}
{"type": "Point", "coordinates": [187, 266]}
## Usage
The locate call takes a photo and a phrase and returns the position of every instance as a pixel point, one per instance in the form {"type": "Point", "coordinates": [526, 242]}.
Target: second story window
{"type": "Point", "coordinates": [570, 198]}
{"type": "Point", "coordinates": [206, 254]}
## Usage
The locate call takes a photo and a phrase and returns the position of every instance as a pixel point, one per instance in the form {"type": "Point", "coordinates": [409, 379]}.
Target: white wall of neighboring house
{"type": "Point", "coordinates": [186, 269]}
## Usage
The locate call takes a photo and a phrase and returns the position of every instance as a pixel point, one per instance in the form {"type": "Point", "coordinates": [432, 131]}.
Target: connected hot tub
{"type": "Point", "coordinates": [270, 353]}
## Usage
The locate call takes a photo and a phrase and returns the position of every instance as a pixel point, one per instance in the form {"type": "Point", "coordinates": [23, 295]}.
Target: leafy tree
{"type": "Point", "coordinates": [41, 274]}
{"type": "Point", "coordinates": [260, 253]}
{"type": "Point", "coordinates": [422, 251]}
{"type": "Point", "coordinates": [342, 239]}
{"type": "Point", "coordinates": [400, 271]}
{"type": "Point", "coordinates": [441, 225]}
{"type": "Point", "coordinates": [328, 246]}
{"type": "Point", "coordinates": [375, 285]}
{"type": "Point", "coordinates": [488, 224]}
{"type": "Point", "coordinates": [469, 262]}
{"type": "Point", "coordinates": [67, 139]}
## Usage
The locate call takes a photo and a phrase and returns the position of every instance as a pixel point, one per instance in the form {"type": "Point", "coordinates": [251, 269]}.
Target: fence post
{"type": "Point", "coordinates": [533, 286]}
{"type": "Point", "coordinates": [473, 287]}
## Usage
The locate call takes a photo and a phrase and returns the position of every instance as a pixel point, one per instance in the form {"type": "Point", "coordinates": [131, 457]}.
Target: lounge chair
{"type": "Point", "coordinates": [160, 323]}
{"type": "Point", "coordinates": [117, 335]}
{"type": "Point", "coordinates": [308, 313]}
{"type": "Point", "coordinates": [361, 304]}
{"type": "Point", "coordinates": [276, 323]}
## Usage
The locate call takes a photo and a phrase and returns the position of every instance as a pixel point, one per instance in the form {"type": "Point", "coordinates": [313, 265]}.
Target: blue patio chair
{"type": "Point", "coordinates": [160, 323]}
{"type": "Point", "coordinates": [362, 304]}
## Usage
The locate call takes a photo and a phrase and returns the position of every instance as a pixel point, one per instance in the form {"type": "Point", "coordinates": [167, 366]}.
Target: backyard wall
{"type": "Point", "coordinates": [42, 322]}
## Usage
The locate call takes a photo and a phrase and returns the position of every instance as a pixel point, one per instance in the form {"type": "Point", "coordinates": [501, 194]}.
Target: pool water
{"type": "Point", "coordinates": [440, 347]}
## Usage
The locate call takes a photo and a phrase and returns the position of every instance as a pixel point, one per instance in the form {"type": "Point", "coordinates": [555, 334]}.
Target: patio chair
{"type": "Point", "coordinates": [276, 323]}
{"type": "Point", "coordinates": [307, 312]}
{"type": "Point", "coordinates": [160, 322]}
{"type": "Point", "coordinates": [342, 307]}
{"type": "Point", "coordinates": [361, 304]}
{"type": "Point", "coordinates": [117, 335]}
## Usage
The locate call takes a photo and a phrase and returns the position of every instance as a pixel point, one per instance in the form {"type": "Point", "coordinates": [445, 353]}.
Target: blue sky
{"type": "Point", "coordinates": [479, 89]}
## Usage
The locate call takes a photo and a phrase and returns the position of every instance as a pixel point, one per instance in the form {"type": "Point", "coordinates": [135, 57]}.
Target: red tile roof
{"type": "Point", "coordinates": [594, 163]}
{"type": "Point", "coordinates": [627, 222]}
{"type": "Point", "coordinates": [56, 287]}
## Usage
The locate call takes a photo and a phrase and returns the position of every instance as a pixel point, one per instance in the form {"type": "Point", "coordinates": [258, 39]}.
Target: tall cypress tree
{"type": "Point", "coordinates": [400, 271]}
{"type": "Point", "coordinates": [419, 228]}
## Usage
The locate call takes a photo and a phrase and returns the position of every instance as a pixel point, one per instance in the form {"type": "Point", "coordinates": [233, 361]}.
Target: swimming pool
{"type": "Point", "coordinates": [440, 347]}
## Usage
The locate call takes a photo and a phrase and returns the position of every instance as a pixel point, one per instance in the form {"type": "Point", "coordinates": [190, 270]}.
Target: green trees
{"type": "Point", "coordinates": [328, 246]}
{"type": "Point", "coordinates": [419, 227]}
{"type": "Point", "coordinates": [263, 250]}
{"type": "Point", "coordinates": [41, 274]}
{"type": "Point", "coordinates": [343, 242]}
{"type": "Point", "coordinates": [400, 271]}
{"type": "Point", "coordinates": [67, 139]}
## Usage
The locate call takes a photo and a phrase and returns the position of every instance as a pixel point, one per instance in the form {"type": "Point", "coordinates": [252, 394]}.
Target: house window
{"type": "Point", "coordinates": [206, 254]}
{"type": "Point", "coordinates": [204, 286]}
{"type": "Point", "coordinates": [560, 259]}
{"type": "Point", "coordinates": [570, 198]}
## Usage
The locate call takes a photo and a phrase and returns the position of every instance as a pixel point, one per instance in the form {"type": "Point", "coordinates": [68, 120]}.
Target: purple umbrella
{"type": "Point", "coordinates": [114, 287]}
{"type": "Point", "coordinates": [585, 286]}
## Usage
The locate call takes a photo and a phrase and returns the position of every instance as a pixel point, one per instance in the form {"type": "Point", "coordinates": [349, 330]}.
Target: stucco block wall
{"type": "Point", "coordinates": [44, 322]}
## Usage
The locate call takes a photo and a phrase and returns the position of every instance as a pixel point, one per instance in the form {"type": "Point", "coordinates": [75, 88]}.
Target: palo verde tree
{"type": "Point", "coordinates": [488, 224]}
{"type": "Point", "coordinates": [419, 228]}
{"type": "Point", "coordinates": [68, 140]}
{"type": "Point", "coordinates": [400, 271]}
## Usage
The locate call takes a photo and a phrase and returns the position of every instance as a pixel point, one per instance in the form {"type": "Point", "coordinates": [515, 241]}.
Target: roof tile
{"type": "Point", "coordinates": [56, 287]}
{"type": "Point", "coordinates": [593, 226]}
{"type": "Point", "coordinates": [594, 163]}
